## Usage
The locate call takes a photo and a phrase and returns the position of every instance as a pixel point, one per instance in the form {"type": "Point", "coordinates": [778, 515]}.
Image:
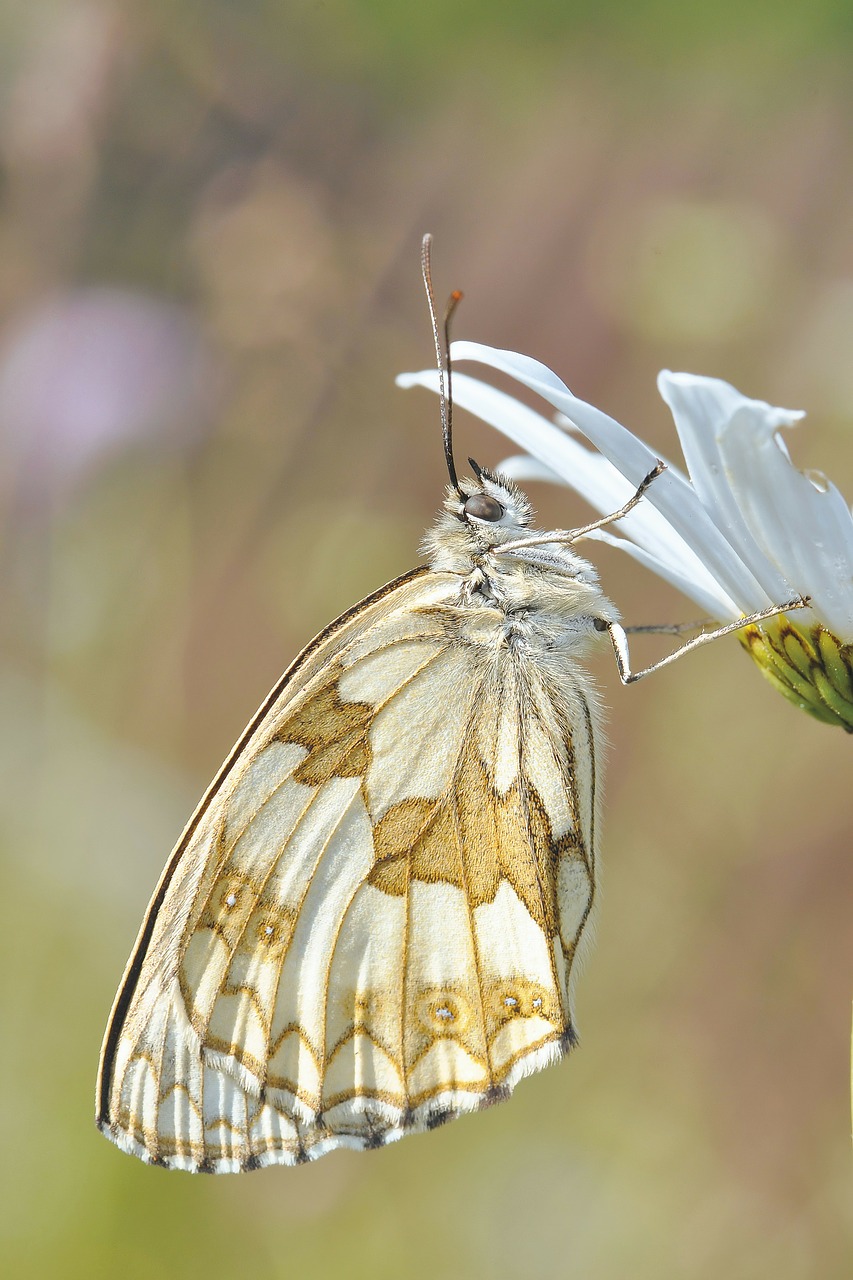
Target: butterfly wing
{"type": "Point", "coordinates": [369, 924]}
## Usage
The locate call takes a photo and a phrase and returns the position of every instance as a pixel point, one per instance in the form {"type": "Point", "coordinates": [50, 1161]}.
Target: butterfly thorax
{"type": "Point", "coordinates": [545, 591]}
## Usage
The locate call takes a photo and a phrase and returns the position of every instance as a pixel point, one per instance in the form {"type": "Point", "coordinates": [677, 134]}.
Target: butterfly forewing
{"type": "Point", "coordinates": [370, 923]}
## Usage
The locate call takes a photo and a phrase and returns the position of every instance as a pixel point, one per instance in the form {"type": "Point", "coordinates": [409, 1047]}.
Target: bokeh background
{"type": "Point", "coordinates": [209, 233]}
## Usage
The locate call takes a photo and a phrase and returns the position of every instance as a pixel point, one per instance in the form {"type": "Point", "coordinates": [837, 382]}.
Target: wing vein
{"type": "Point", "coordinates": [404, 973]}
{"type": "Point", "coordinates": [271, 870]}
{"type": "Point", "coordinates": [324, 847]}
{"type": "Point", "coordinates": [474, 944]}
{"type": "Point", "coordinates": [524, 796]}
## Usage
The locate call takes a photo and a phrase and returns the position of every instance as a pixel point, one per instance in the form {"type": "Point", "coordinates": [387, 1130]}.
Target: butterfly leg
{"type": "Point", "coordinates": [576, 534]}
{"type": "Point", "coordinates": [619, 638]}
{"type": "Point", "coordinates": [568, 536]}
{"type": "Point", "coordinates": [668, 628]}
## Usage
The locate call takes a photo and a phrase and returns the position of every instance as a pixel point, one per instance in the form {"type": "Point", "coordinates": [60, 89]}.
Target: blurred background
{"type": "Point", "coordinates": [209, 236]}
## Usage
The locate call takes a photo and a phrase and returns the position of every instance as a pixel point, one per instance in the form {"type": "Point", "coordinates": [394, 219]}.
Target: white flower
{"type": "Point", "coordinates": [745, 531]}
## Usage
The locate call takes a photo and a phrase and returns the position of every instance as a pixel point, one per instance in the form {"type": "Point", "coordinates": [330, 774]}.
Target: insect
{"type": "Point", "coordinates": [371, 923]}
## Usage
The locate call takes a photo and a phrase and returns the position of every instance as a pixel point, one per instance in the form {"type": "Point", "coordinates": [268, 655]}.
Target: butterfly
{"type": "Point", "coordinates": [372, 921]}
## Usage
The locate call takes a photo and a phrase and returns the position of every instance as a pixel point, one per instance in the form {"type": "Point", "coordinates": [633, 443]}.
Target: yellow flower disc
{"type": "Point", "coordinates": [809, 665]}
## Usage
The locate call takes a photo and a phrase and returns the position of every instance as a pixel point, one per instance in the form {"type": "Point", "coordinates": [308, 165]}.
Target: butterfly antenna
{"type": "Point", "coordinates": [441, 338]}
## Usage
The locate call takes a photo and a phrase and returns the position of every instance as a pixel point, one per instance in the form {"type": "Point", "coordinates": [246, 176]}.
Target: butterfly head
{"type": "Point", "coordinates": [484, 514]}
{"type": "Point", "coordinates": [478, 514]}
{"type": "Point", "coordinates": [490, 506]}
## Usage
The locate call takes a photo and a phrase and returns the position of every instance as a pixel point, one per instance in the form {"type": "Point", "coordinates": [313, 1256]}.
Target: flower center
{"type": "Point", "coordinates": [809, 665]}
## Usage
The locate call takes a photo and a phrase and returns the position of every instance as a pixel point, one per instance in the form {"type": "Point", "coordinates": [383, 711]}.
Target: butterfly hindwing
{"type": "Point", "coordinates": [370, 923]}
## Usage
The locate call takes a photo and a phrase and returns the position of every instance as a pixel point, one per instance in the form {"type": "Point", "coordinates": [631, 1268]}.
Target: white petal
{"type": "Point", "coordinates": [527, 428]}
{"type": "Point", "coordinates": [650, 540]}
{"type": "Point", "coordinates": [523, 468]}
{"type": "Point", "coordinates": [808, 530]}
{"type": "Point", "coordinates": [596, 479]}
{"type": "Point", "coordinates": [588, 473]}
{"type": "Point", "coordinates": [671, 494]}
{"type": "Point", "coordinates": [701, 408]}
{"type": "Point", "coordinates": [697, 583]}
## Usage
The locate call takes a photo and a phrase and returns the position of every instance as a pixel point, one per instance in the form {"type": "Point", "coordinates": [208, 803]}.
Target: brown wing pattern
{"type": "Point", "coordinates": [371, 922]}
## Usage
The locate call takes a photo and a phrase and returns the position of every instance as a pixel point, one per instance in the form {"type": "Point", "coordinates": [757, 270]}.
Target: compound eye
{"type": "Point", "coordinates": [482, 507]}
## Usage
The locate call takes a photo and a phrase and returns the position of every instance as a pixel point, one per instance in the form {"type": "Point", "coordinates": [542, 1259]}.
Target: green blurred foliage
{"type": "Point", "coordinates": [616, 187]}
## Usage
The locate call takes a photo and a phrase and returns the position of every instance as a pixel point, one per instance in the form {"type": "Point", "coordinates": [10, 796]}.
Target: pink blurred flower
{"type": "Point", "coordinates": [90, 371]}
